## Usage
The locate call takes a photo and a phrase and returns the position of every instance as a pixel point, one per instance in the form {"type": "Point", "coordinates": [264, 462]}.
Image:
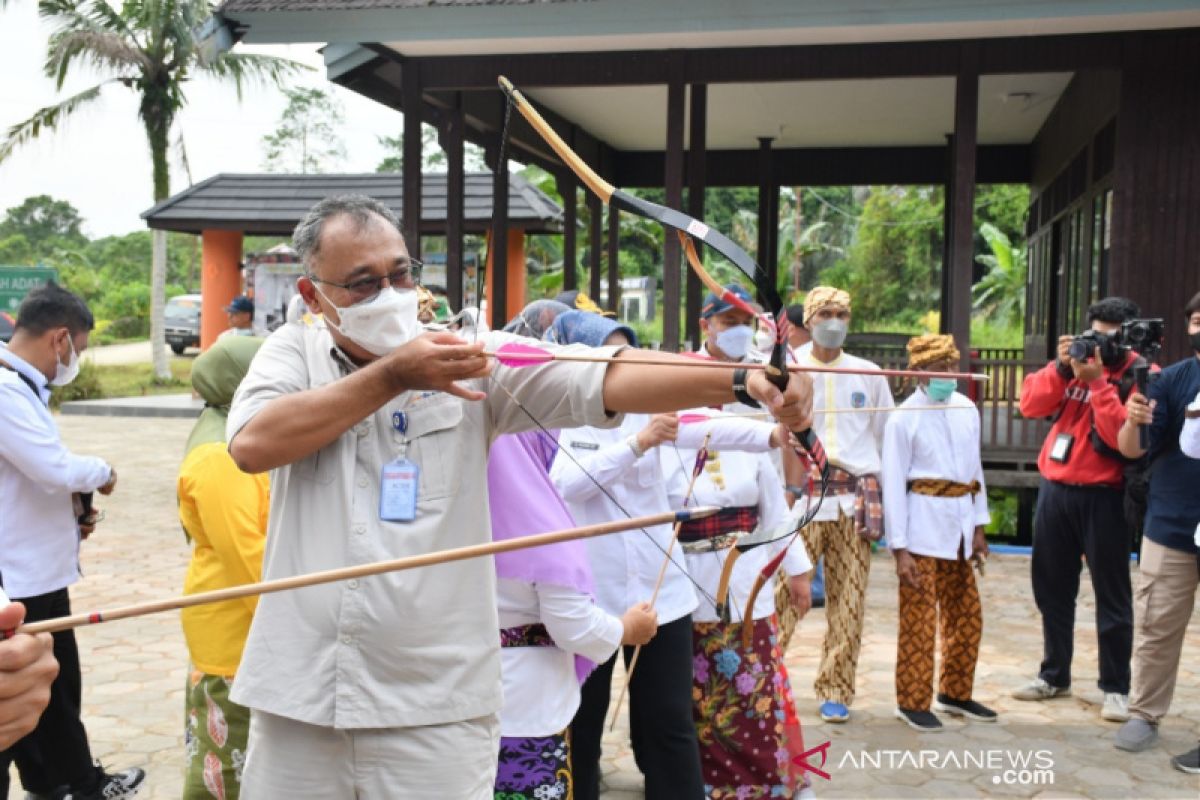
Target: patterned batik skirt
{"type": "Point", "coordinates": [745, 717]}
{"type": "Point", "coordinates": [214, 739]}
{"type": "Point", "coordinates": [534, 768]}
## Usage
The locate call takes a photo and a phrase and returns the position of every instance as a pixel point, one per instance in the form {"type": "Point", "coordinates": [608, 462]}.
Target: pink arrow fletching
{"type": "Point", "coordinates": [515, 354]}
{"type": "Point", "coordinates": [691, 419]}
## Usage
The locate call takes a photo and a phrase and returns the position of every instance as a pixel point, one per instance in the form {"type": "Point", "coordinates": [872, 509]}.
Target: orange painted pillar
{"type": "Point", "coordinates": [220, 281]}
{"type": "Point", "coordinates": [516, 272]}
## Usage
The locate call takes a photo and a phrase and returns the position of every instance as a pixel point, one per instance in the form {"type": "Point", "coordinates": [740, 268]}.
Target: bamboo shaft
{"type": "Point", "coordinates": [662, 574]}
{"type": "Point", "coordinates": [359, 571]}
{"type": "Point", "coordinates": [537, 358]}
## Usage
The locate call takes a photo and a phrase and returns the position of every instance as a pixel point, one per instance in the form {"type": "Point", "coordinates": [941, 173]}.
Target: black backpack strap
{"type": "Point", "coordinates": [24, 379]}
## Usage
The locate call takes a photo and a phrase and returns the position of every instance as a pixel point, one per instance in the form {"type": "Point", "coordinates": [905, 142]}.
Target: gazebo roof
{"type": "Point", "coordinates": [271, 205]}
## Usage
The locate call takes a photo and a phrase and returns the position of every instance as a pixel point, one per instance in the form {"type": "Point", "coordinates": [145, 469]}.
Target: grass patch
{"type": "Point", "coordinates": [123, 380]}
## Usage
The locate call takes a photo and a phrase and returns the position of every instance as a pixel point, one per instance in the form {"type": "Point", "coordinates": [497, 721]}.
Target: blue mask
{"type": "Point", "coordinates": [940, 389]}
{"type": "Point", "coordinates": [735, 342]}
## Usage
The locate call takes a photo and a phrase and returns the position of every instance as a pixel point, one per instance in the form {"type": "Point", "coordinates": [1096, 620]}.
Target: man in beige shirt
{"type": "Point", "coordinates": [389, 686]}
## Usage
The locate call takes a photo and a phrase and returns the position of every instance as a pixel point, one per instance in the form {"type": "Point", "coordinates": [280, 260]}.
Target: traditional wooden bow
{"type": "Point", "coordinates": [688, 227]}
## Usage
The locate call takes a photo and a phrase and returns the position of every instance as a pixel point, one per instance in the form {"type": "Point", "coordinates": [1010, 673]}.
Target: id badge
{"type": "Point", "coordinates": [1060, 451]}
{"type": "Point", "coordinates": [398, 491]}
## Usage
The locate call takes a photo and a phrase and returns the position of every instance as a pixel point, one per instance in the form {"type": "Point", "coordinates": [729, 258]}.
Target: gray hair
{"type": "Point", "coordinates": [363, 210]}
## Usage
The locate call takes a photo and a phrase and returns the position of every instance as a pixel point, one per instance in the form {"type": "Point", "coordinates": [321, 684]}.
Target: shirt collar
{"type": "Point", "coordinates": [25, 368]}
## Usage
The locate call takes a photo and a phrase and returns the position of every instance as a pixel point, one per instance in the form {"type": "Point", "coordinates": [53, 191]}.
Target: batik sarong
{"type": "Point", "coordinates": [534, 768]}
{"type": "Point", "coordinates": [216, 729]}
{"type": "Point", "coordinates": [745, 718]}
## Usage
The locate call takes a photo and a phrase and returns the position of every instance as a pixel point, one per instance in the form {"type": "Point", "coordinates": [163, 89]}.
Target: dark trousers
{"type": "Point", "coordinates": [661, 724]}
{"type": "Point", "coordinates": [56, 753]}
{"type": "Point", "coordinates": [1071, 522]}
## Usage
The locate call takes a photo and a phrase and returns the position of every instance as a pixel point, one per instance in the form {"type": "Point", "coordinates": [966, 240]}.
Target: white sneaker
{"type": "Point", "coordinates": [1038, 689]}
{"type": "Point", "coordinates": [1116, 707]}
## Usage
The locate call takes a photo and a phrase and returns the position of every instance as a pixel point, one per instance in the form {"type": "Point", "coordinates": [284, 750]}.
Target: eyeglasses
{"type": "Point", "coordinates": [406, 276]}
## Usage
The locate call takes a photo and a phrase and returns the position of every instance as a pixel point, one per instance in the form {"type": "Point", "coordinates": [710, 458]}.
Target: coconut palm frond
{"type": "Point", "coordinates": [47, 118]}
{"type": "Point", "coordinates": [101, 50]}
{"type": "Point", "coordinates": [250, 68]}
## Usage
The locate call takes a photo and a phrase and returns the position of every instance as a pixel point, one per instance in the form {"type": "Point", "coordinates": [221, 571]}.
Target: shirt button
{"type": "Point", "coordinates": [347, 640]}
{"type": "Point", "coordinates": [352, 583]}
{"type": "Point", "coordinates": [362, 482]}
{"type": "Point", "coordinates": [360, 528]}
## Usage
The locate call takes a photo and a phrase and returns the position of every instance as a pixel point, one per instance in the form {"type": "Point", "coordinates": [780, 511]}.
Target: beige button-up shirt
{"type": "Point", "coordinates": [419, 647]}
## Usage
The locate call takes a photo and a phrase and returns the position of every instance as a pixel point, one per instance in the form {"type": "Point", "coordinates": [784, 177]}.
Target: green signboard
{"type": "Point", "coordinates": [16, 282]}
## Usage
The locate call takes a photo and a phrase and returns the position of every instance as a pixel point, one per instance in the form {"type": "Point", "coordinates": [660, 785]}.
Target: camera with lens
{"type": "Point", "coordinates": [1085, 344]}
{"type": "Point", "coordinates": [1143, 336]}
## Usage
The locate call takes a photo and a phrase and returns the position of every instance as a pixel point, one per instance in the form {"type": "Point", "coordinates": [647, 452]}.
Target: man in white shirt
{"type": "Point", "coordinates": [40, 533]}
{"type": "Point", "coordinates": [376, 435]}
{"type": "Point", "coordinates": [935, 507]}
{"type": "Point", "coordinates": [850, 517]}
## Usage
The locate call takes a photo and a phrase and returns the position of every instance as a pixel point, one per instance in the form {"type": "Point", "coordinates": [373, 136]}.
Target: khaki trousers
{"type": "Point", "coordinates": [290, 759]}
{"type": "Point", "coordinates": [1163, 602]}
{"type": "Point", "coordinates": [946, 599]}
{"type": "Point", "coordinates": [847, 564]}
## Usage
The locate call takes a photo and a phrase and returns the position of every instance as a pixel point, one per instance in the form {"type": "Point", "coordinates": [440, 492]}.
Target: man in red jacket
{"type": "Point", "coordinates": [1080, 508]}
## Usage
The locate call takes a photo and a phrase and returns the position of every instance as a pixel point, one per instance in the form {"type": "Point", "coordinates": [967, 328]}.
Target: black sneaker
{"type": "Point", "coordinates": [1188, 762]}
{"type": "Point", "coordinates": [112, 786]}
{"type": "Point", "coordinates": [924, 721]}
{"type": "Point", "coordinates": [965, 708]}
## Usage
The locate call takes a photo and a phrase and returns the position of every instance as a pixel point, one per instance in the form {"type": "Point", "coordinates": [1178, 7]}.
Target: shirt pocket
{"type": "Point", "coordinates": [435, 445]}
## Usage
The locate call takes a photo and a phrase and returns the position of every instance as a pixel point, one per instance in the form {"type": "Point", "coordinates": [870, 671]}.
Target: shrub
{"type": "Point", "coordinates": [86, 386]}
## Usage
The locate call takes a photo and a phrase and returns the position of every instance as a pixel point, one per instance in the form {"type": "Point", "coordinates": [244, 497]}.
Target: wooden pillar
{"type": "Point", "coordinates": [673, 175]}
{"type": "Point", "coordinates": [410, 80]}
{"type": "Point", "coordinates": [614, 256]}
{"type": "Point", "coordinates": [766, 208]}
{"type": "Point", "coordinates": [567, 188]}
{"type": "Point", "coordinates": [220, 281]}
{"type": "Point", "coordinates": [595, 235]}
{"type": "Point", "coordinates": [454, 203]}
{"type": "Point", "coordinates": [697, 150]}
{"type": "Point", "coordinates": [497, 250]}
{"type": "Point", "coordinates": [513, 289]}
{"type": "Point", "coordinates": [962, 198]}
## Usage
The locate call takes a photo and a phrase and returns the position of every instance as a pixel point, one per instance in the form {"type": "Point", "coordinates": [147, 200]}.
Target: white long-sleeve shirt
{"type": "Point", "coordinates": [626, 565]}
{"type": "Point", "coordinates": [1189, 437]}
{"type": "Point", "coordinates": [541, 690]}
{"type": "Point", "coordinates": [741, 477]}
{"type": "Point", "coordinates": [852, 440]}
{"type": "Point", "coordinates": [932, 444]}
{"type": "Point", "coordinates": [39, 536]}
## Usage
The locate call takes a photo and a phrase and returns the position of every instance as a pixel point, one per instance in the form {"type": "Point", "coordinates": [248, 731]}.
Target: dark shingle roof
{"type": "Point", "coordinates": [273, 204]}
{"type": "Point", "coordinates": [234, 6]}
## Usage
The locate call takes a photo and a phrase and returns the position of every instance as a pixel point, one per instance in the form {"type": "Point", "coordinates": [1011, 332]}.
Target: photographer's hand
{"type": "Point", "coordinates": [1064, 349]}
{"type": "Point", "coordinates": [1140, 411]}
{"type": "Point", "coordinates": [1090, 370]}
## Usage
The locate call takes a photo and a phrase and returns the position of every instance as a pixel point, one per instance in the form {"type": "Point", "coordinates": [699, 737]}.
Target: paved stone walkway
{"type": "Point", "coordinates": [134, 670]}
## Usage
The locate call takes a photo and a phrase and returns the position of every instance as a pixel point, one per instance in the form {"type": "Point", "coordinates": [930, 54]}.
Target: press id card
{"type": "Point", "coordinates": [398, 491]}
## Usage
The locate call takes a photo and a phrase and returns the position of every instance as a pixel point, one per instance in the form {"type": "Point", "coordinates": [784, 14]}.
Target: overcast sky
{"type": "Point", "coordinates": [99, 161]}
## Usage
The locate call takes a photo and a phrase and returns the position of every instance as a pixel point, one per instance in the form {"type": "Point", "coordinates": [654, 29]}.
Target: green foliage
{"type": "Point", "coordinates": [42, 219]}
{"type": "Point", "coordinates": [307, 139]}
{"type": "Point", "coordinates": [122, 380]}
{"type": "Point", "coordinates": [1003, 507]}
{"type": "Point", "coordinates": [86, 386]}
{"type": "Point", "coordinates": [433, 157]}
{"type": "Point", "coordinates": [1000, 295]}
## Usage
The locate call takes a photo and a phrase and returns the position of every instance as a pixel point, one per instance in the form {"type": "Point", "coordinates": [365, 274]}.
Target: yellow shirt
{"type": "Point", "coordinates": [224, 510]}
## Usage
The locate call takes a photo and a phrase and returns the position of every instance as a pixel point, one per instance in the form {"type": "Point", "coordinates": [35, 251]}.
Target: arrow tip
{"type": "Point", "coordinates": [699, 512]}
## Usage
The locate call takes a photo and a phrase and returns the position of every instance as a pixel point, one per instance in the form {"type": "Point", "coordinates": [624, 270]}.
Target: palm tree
{"type": "Point", "coordinates": [150, 47]}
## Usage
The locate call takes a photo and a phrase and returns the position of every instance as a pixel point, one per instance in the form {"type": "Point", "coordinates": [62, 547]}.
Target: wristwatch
{"type": "Point", "coordinates": [739, 389]}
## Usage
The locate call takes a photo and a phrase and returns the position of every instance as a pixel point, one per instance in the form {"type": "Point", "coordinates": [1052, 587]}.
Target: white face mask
{"type": "Point", "coordinates": [735, 342]}
{"type": "Point", "coordinates": [830, 333]}
{"type": "Point", "coordinates": [380, 324]}
{"type": "Point", "coordinates": [65, 373]}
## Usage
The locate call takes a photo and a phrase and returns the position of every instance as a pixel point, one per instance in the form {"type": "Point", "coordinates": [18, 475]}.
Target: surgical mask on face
{"type": "Point", "coordinates": [830, 333]}
{"type": "Point", "coordinates": [939, 390]}
{"type": "Point", "coordinates": [381, 324]}
{"type": "Point", "coordinates": [1195, 340]}
{"type": "Point", "coordinates": [65, 373]}
{"type": "Point", "coordinates": [735, 342]}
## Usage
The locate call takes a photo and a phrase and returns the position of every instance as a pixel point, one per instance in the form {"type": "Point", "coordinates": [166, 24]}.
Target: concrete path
{"type": "Point", "coordinates": [129, 353]}
{"type": "Point", "coordinates": [134, 670]}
